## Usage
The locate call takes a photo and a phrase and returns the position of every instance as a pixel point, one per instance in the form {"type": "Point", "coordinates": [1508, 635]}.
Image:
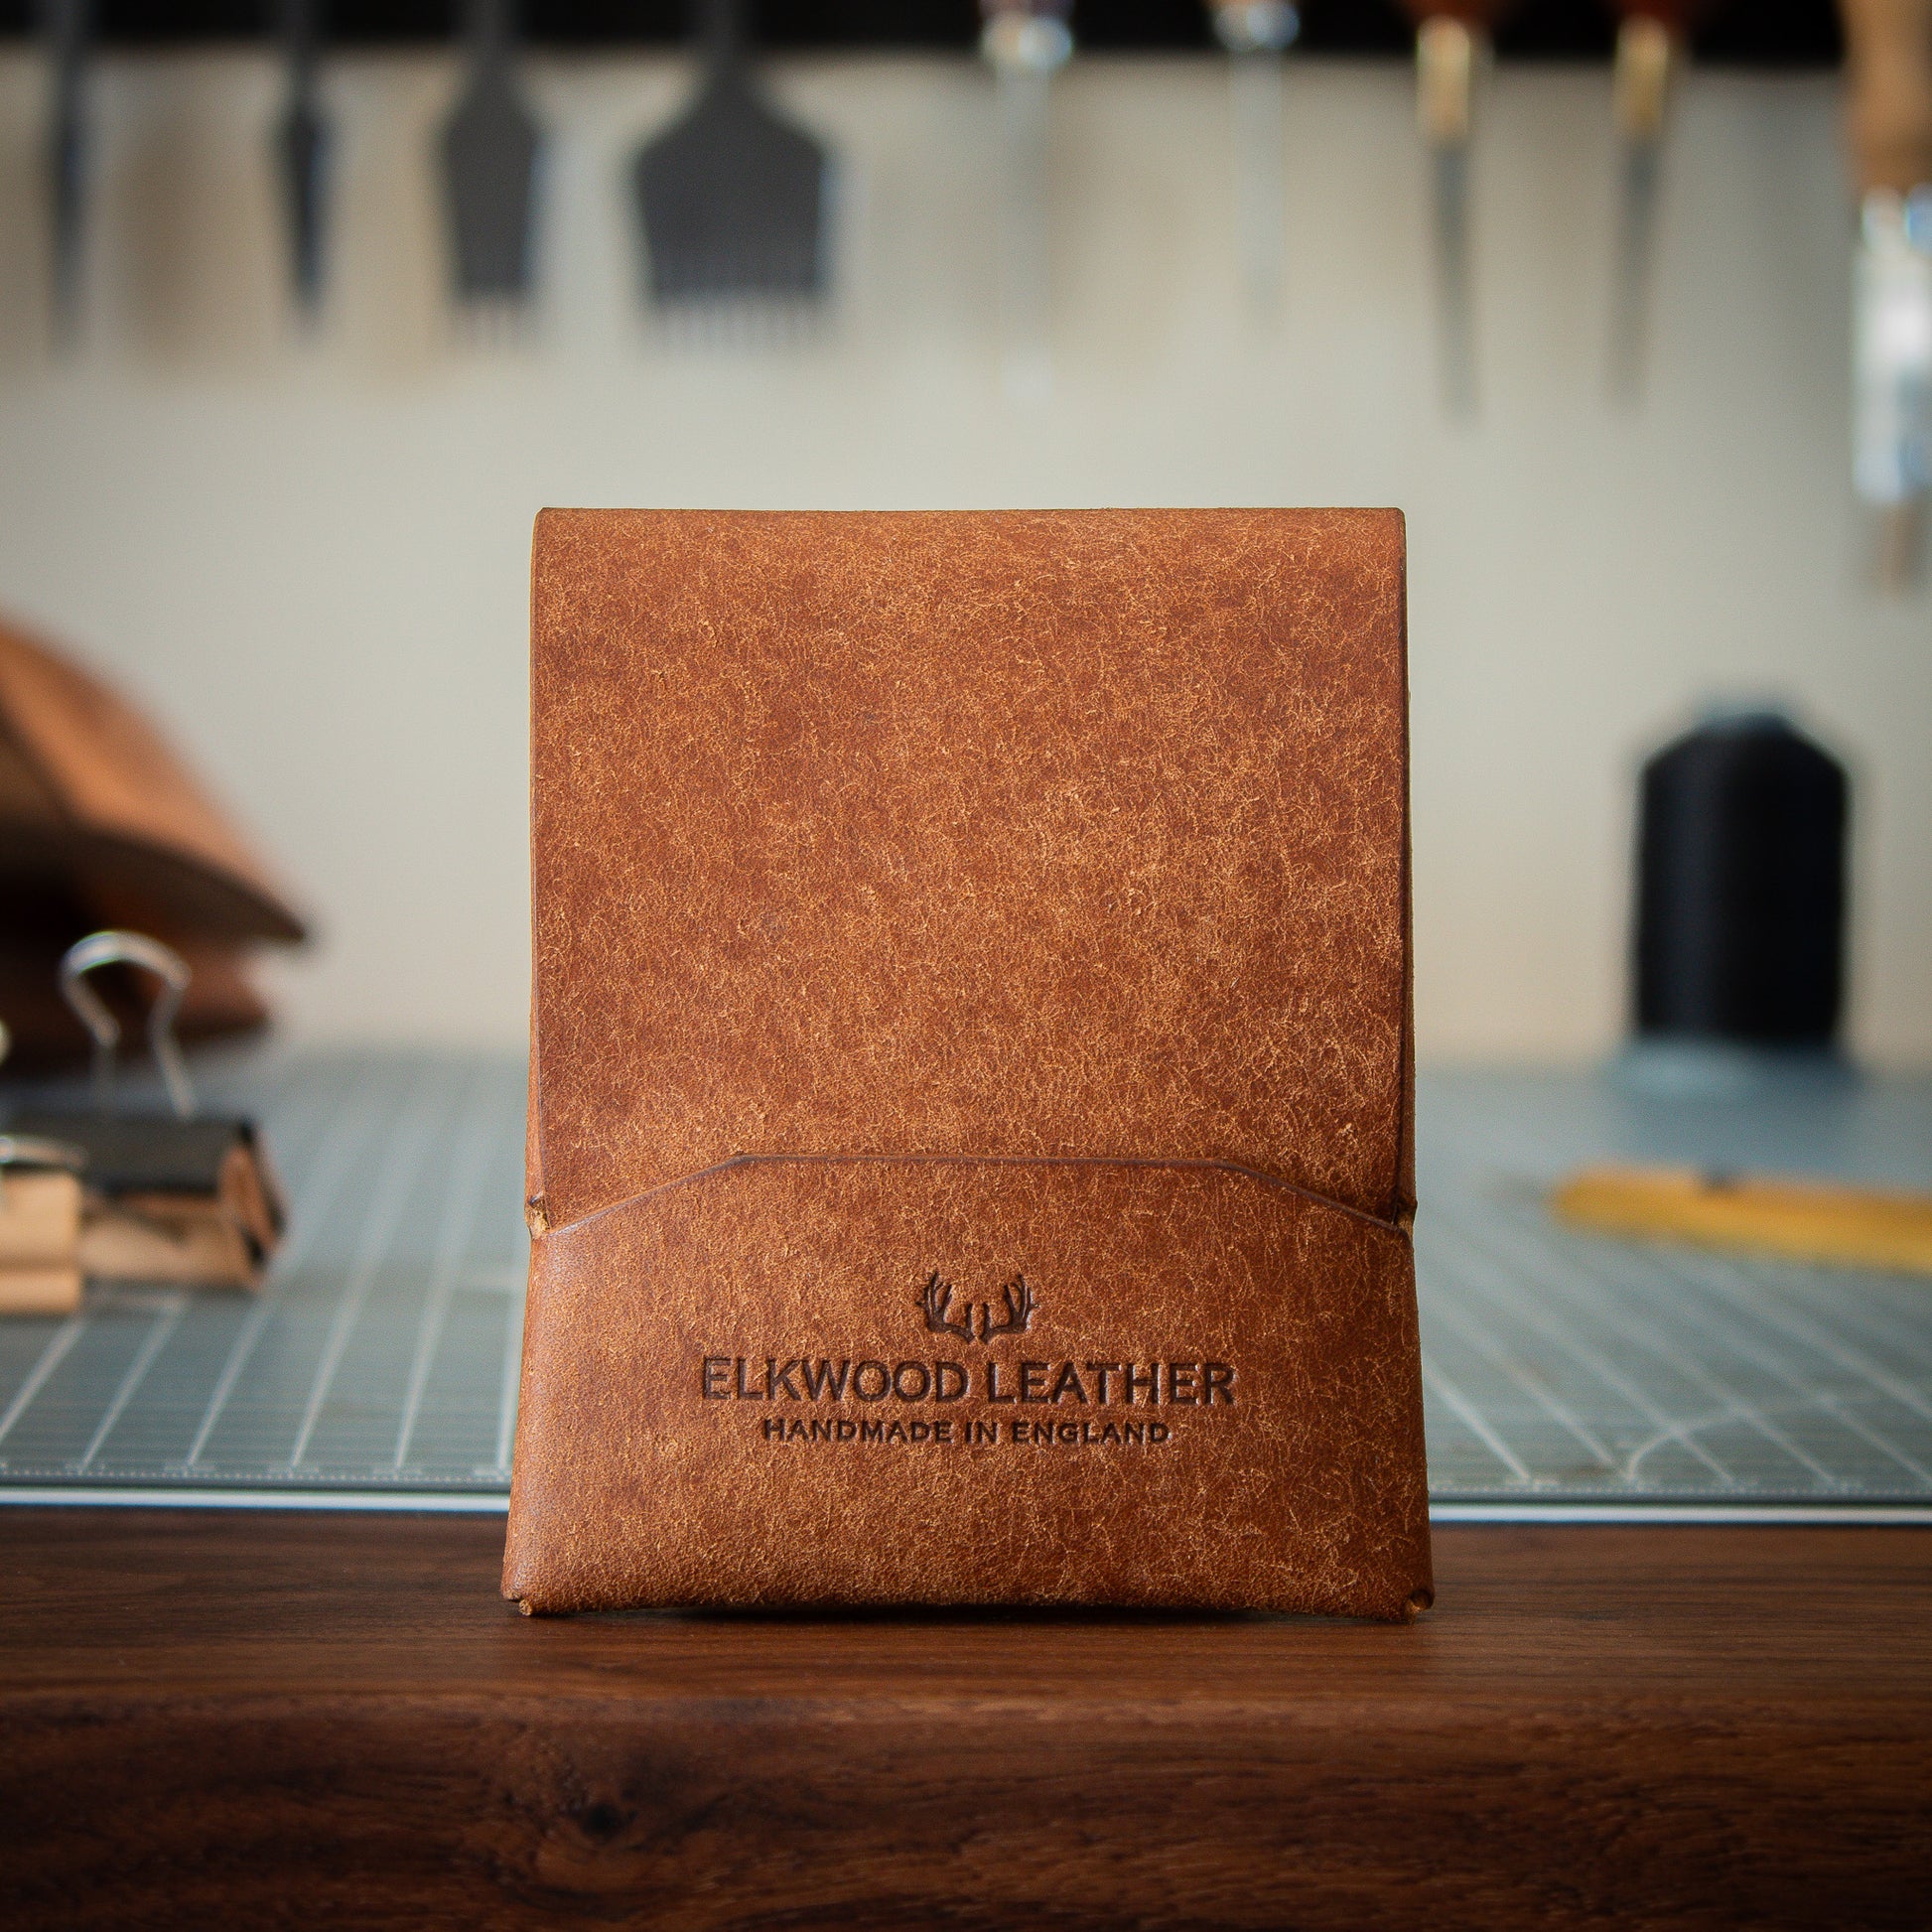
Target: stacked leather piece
{"type": "Point", "coordinates": [102, 825]}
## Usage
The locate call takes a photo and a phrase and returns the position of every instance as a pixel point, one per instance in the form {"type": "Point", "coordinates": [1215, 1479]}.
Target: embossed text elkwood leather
{"type": "Point", "coordinates": [969, 1151]}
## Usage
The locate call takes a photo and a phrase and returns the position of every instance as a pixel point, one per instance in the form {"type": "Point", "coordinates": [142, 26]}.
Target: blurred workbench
{"type": "Point", "coordinates": [228, 1719]}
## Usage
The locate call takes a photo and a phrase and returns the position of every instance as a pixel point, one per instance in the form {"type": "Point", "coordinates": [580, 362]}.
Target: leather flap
{"type": "Point", "coordinates": [1016, 834]}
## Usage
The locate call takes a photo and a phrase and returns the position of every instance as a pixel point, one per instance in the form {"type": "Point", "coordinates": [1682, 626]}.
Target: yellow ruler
{"type": "Point", "coordinates": [1801, 1220]}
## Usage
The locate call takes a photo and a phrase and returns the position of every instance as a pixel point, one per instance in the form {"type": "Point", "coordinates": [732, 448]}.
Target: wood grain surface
{"type": "Point", "coordinates": [268, 1720]}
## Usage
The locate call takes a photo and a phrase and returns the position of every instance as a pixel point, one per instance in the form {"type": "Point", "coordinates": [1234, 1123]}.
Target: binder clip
{"type": "Point", "coordinates": [183, 1198]}
{"type": "Point", "coordinates": [39, 1221]}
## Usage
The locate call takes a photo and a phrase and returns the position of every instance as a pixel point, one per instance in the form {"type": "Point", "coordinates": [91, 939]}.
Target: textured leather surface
{"type": "Point", "coordinates": [1298, 1487]}
{"type": "Point", "coordinates": [1065, 834]}
{"type": "Point", "coordinates": [1004, 912]}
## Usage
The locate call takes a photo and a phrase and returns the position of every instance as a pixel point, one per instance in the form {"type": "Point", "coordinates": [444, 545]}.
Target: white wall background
{"type": "Point", "coordinates": [309, 556]}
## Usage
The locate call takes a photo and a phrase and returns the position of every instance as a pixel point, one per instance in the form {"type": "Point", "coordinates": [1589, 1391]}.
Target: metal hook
{"type": "Point", "coordinates": [36, 1150]}
{"type": "Point", "coordinates": [130, 949]}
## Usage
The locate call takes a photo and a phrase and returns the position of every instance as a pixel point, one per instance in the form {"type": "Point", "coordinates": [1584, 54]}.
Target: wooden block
{"type": "Point", "coordinates": [1800, 1220]}
{"type": "Point", "coordinates": [40, 1244]}
{"type": "Point", "coordinates": [180, 1239]}
{"type": "Point", "coordinates": [192, 1204]}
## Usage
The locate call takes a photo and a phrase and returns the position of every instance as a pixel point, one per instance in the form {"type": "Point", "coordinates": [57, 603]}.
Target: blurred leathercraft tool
{"type": "Point", "coordinates": [1452, 47]}
{"type": "Point", "coordinates": [302, 149]}
{"type": "Point", "coordinates": [1256, 35]}
{"type": "Point", "coordinates": [1890, 57]}
{"type": "Point", "coordinates": [1026, 43]}
{"type": "Point", "coordinates": [1826, 1224]}
{"type": "Point", "coordinates": [734, 199]}
{"type": "Point", "coordinates": [491, 148]}
{"type": "Point", "coordinates": [66, 26]}
{"type": "Point", "coordinates": [1651, 49]}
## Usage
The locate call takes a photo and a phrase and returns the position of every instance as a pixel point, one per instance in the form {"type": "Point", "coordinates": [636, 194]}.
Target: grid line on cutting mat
{"type": "Point", "coordinates": [1684, 1375]}
{"type": "Point", "coordinates": [381, 1358]}
{"type": "Point", "coordinates": [314, 1198]}
{"type": "Point", "coordinates": [252, 1384]}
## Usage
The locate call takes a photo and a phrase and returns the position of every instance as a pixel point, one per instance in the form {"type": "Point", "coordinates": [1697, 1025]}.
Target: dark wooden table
{"type": "Point", "coordinates": [239, 1719]}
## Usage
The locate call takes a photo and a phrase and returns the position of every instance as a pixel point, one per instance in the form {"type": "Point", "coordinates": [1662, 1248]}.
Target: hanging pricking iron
{"type": "Point", "coordinates": [1256, 35]}
{"type": "Point", "coordinates": [302, 149]}
{"type": "Point", "coordinates": [1651, 47]}
{"type": "Point", "coordinates": [65, 27]}
{"type": "Point", "coordinates": [1026, 43]}
{"type": "Point", "coordinates": [180, 1198]}
{"type": "Point", "coordinates": [491, 148]}
{"type": "Point", "coordinates": [732, 199]}
{"type": "Point", "coordinates": [1889, 57]}
{"type": "Point", "coordinates": [1451, 46]}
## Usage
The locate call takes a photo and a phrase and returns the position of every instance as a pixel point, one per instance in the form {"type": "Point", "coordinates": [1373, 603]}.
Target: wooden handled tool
{"type": "Point", "coordinates": [490, 145]}
{"type": "Point", "coordinates": [1651, 36]}
{"type": "Point", "coordinates": [1452, 42]}
{"type": "Point", "coordinates": [303, 147]}
{"type": "Point", "coordinates": [1890, 130]}
{"type": "Point", "coordinates": [1798, 1220]}
{"type": "Point", "coordinates": [68, 26]}
{"type": "Point", "coordinates": [40, 1228]}
{"type": "Point", "coordinates": [1026, 43]}
{"type": "Point", "coordinates": [1652, 42]}
{"type": "Point", "coordinates": [1256, 34]}
{"type": "Point", "coordinates": [1888, 61]}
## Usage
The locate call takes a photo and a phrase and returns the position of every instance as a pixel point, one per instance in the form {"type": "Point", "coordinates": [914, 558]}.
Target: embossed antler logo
{"type": "Point", "coordinates": [935, 1299]}
{"type": "Point", "coordinates": [1021, 1304]}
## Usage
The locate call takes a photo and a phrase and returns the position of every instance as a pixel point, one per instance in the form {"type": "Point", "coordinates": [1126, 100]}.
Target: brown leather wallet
{"type": "Point", "coordinates": [970, 1149]}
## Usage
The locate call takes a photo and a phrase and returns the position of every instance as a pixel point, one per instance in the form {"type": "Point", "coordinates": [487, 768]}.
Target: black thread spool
{"type": "Point", "coordinates": [1741, 889]}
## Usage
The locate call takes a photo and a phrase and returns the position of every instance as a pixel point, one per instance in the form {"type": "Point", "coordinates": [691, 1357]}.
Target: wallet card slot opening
{"type": "Point", "coordinates": [541, 1225]}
